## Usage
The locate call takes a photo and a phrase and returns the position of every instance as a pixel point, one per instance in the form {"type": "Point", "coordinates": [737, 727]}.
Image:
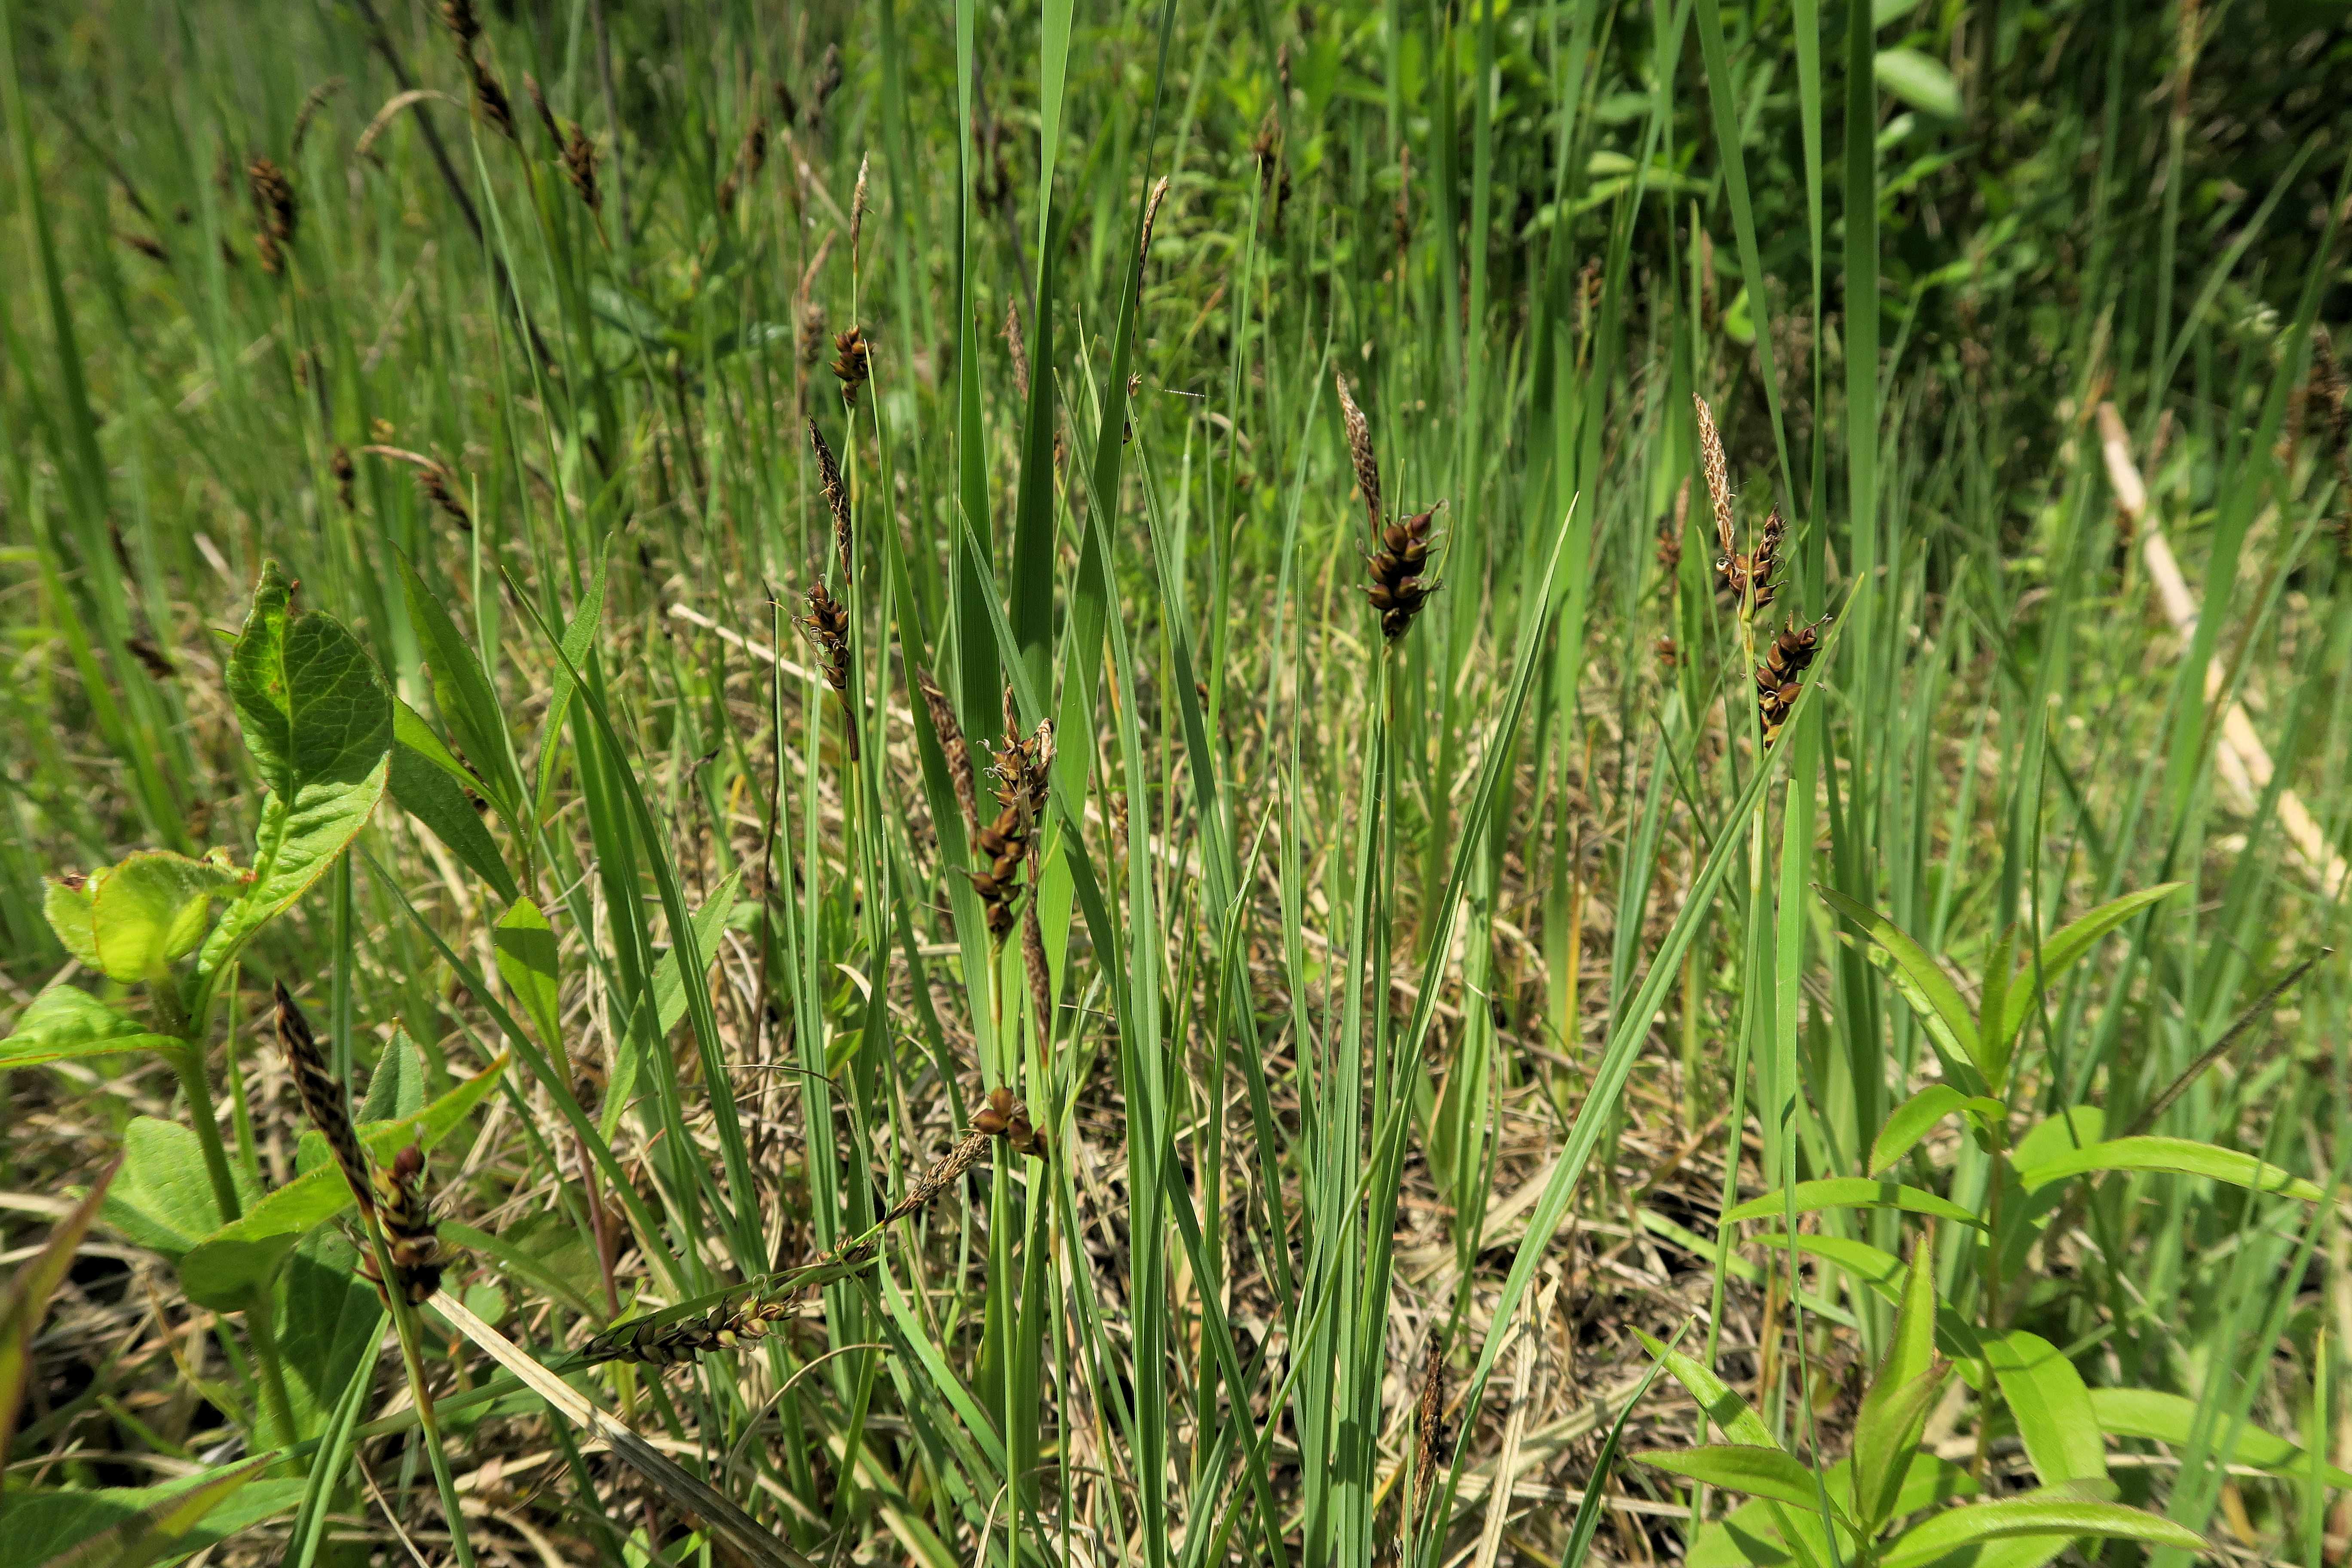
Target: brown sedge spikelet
{"type": "Point", "coordinates": [580, 168]}
{"type": "Point", "coordinates": [312, 101]}
{"type": "Point", "coordinates": [828, 82]}
{"type": "Point", "coordinates": [145, 245]}
{"type": "Point", "coordinates": [750, 157]}
{"type": "Point", "coordinates": [826, 627]}
{"type": "Point", "coordinates": [1780, 677]}
{"type": "Point", "coordinates": [458, 16]}
{"type": "Point", "coordinates": [490, 98]}
{"type": "Point", "coordinates": [1021, 765]}
{"type": "Point", "coordinates": [323, 1097]}
{"type": "Point", "coordinates": [1758, 569]}
{"type": "Point", "coordinates": [1019, 347]}
{"type": "Point", "coordinates": [546, 115]}
{"type": "Point", "coordinates": [2325, 402]}
{"type": "Point", "coordinates": [411, 1238]}
{"type": "Point", "coordinates": [1359, 449]}
{"type": "Point", "coordinates": [951, 745]}
{"type": "Point", "coordinates": [857, 209]}
{"type": "Point", "coordinates": [730, 1325]}
{"type": "Point", "coordinates": [837, 499]}
{"type": "Point", "coordinates": [1718, 482]}
{"type": "Point", "coordinates": [1150, 219]}
{"type": "Point", "coordinates": [1003, 844]}
{"type": "Point", "coordinates": [852, 362]}
{"type": "Point", "coordinates": [339, 464]}
{"type": "Point", "coordinates": [439, 485]}
{"type": "Point", "coordinates": [1429, 1426]}
{"type": "Point", "coordinates": [1397, 590]}
{"type": "Point", "coordinates": [275, 212]}
{"type": "Point", "coordinates": [1008, 1118]}
{"type": "Point", "coordinates": [944, 1174]}
{"type": "Point", "coordinates": [1670, 536]}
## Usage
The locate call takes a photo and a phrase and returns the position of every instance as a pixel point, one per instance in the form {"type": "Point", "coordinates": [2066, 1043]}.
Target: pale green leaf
{"type": "Point", "coordinates": [163, 1198]}
{"type": "Point", "coordinates": [1847, 1192]}
{"type": "Point", "coordinates": [1920, 80]}
{"type": "Point", "coordinates": [2066, 947]}
{"type": "Point", "coordinates": [434, 796]}
{"type": "Point", "coordinates": [1726, 1409]}
{"type": "Point", "coordinates": [1956, 1528]}
{"type": "Point", "coordinates": [66, 903]}
{"type": "Point", "coordinates": [1918, 1116]}
{"type": "Point", "coordinates": [136, 1527]}
{"type": "Point", "coordinates": [2182, 1156]}
{"type": "Point", "coordinates": [525, 947]}
{"type": "Point", "coordinates": [1919, 977]}
{"type": "Point", "coordinates": [63, 1022]}
{"type": "Point", "coordinates": [1743, 1468]}
{"type": "Point", "coordinates": [2172, 1418]}
{"type": "Point", "coordinates": [2055, 1419]}
{"type": "Point", "coordinates": [152, 907]}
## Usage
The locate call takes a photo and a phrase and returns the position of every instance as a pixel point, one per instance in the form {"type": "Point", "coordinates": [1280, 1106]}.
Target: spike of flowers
{"type": "Point", "coordinates": [1397, 590]}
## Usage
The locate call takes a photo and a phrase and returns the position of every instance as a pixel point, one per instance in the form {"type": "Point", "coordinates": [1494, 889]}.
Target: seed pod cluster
{"type": "Point", "coordinates": [1007, 1118]}
{"type": "Point", "coordinates": [1397, 590]}
{"type": "Point", "coordinates": [439, 485]}
{"type": "Point", "coordinates": [826, 626]}
{"type": "Point", "coordinates": [1003, 844]}
{"type": "Point", "coordinates": [852, 362]}
{"type": "Point", "coordinates": [727, 1326]}
{"type": "Point", "coordinates": [275, 212]}
{"type": "Point", "coordinates": [323, 1097]}
{"type": "Point", "coordinates": [944, 1175]}
{"type": "Point", "coordinates": [409, 1233]}
{"type": "Point", "coordinates": [1781, 677]}
{"type": "Point", "coordinates": [580, 168]}
{"type": "Point", "coordinates": [1748, 579]}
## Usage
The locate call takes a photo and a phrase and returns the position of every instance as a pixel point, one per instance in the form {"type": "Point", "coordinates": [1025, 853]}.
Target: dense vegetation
{"type": "Point", "coordinates": [931, 784]}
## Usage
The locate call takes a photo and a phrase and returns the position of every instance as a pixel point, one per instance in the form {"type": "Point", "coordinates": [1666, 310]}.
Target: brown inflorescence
{"type": "Point", "coordinates": [1019, 347]}
{"type": "Point", "coordinates": [339, 464]}
{"type": "Point", "coordinates": [323, 1097]}
{"type": "Point", "coordinates": [1780, 677]}
{"type": "Point", "coordinates": [1021, 765]}
{"type": "Point", "coordinates": [837, 499]}
{"type": "Point", "coordinates": [490, 98]}
{"type": "Point", "coordinates": [1360, 449]}
{"type": "Point", "coordinates": [730, 1325]}
{"type": "Point", "coordinates": [952, 745]}
{"type": "Point", "coordinates": [275, 212]}
{"type": "Point", "coordinates": [439, 486]}
{"type": "Point", "coordinates": [1397, 590]}
{"type": "Point", "coordinates": [1002, 845]}
{"type": "Point", "coordinates": [852, 362]}
{"type": "Point", "coordinates": [410, 1236]}
{"type": "Point", "coordinates": [827, 628]}
{"type": "Point", "coordinates": [1429, 1426]}
{"type": "Point", "coordinates": [546, 115]}
{"type": "Point", "coordinates": [1007, 1118]}
{"type": "Point", "coordinates": [750, 159]}
{"type": "Point", "coordinates": [580, 168]}
{"type": "Point", "coordinates": [1718, 482]}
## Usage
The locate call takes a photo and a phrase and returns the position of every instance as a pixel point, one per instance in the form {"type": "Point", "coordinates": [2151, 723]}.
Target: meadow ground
{"type": "Point", "coordinates": [1175, 783]}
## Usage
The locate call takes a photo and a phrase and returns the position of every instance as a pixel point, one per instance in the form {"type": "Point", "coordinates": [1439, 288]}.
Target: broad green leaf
{"type": "Point", "coordinates": [525, 947]}
{"type": "Point", "coordinates": [2061, 1134]}
{"type": "Point", "coordinates": [1909, 1379]}
{"type": "Point", "coordinates": [163, 1198]}
{"type": "Point", "coordinates": [462, 691]}
{"type": "Point", "coordinates": [231, 1259]}
{"type": "Point", "coordinates": [427, 792]}
{"type": "Point", "coordinates": [1920, 80]}
{"type": "Point", "coordinates": [1957, 1528]}
{"type": "Point", "coordinates": [1918, 1116]}
{"type": "Point", "coordinates": [1920, 979]}
{"type": "Point", "coordinates": [134, 1527]}
{"type": "Point", "coordinates": [63, 1022]}
{"type": "Point", "coordinates": [1851, 1193]}
{"type": "Point", "coordinates": [397, 1087]}
{"type": "Point", "coordinates": [2066, 947]}
{"type": "Point", "coordinates": [152, 907]}
{"type": "Point", "coordinates": [1884, 1273]}
{"type": "Point", "coordinates": [2183, 1156]}
{"type": "Point", "coordinates": [66, 903]}
{"type": "Point", "coordinates": [1724, 1409]}
{"type": "Point", "coordinates": [2172, 1418]}
{"type": "Point", "coordinates": [1750, 1533]}
{"type": "Point", "coordinates": [1743, 1468]}
{"type": "Point", "coordinates": [25, 1300]}
{"type": "Point", "coordinates": [319, 724]}
{"type": "Point", "coordinates": [2055, 1419]}
{"type": "Point", "coordinates": [329, 1321]}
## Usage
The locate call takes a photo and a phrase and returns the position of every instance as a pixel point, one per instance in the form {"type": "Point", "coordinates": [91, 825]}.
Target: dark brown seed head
{"type": "Point", "coordinates": [440, 487]}
{"type": "Point", "coordinates": [1780, 677]}
{"type": "Point", "coordinates": [732, 1325]}
{"type": "Point", "coordinates": [826, 627]}
{"type": "Point", "coordinates": [490, 99]}
{"type": "Point", "coordinates": [851, 362]}
{"type": "Point", "coordinates": [275, 212]}
{"type": "Point", "coordinates": [1150, 219]}
{"type": "Point", "coordinates": [153, 248]}
{"type": "Point", "coordinates": [1429, 1426]}
{"type": "Point", "coordinates": [458, 16]}
{"type": "Point", "coordinates": [312, 101]}
{"type": "Point", "coordinates": [580, 168]}
{"type": "Point", "coordinates": [322, 1095]}
{"type": "Point", "coordinates": [828, 82]}
{"type": "Point", "coordinates": [1396, 589]}
{"type": "Point", "coordinates": [836, 498]}
{"type": "Point", "coordinates": [946, 1172]}
{"type": "Point", "coordinates": [339, 464]}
